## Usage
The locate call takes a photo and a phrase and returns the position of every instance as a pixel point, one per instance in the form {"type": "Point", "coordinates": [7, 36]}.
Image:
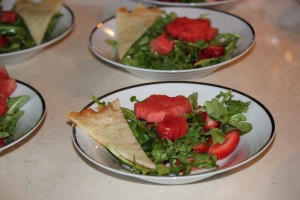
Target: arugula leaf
{"type": "Point", "coordinates": [15, 103]}
{"type": "Point", "coordinates": [51, 26]}
{"type": "Point", "coordinates": [217, 135]}
{"type": "Point", "coordinates": [193, 99]}
{"type": "Point", "coordinates": [239, 121]}
{"type": "Point", "coordinates": [216, 109]}
{"type": "Point", "coordinates": [9, 120]}
{"type": "Point", "coordinates": [229, 112]}
{"type": "Point", "coordinates": [112, 43]}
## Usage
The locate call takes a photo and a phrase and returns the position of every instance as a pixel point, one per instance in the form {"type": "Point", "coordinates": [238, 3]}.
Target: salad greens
{"type": "Point", "coordinates": [51, 26]}
{"type": "Point", "coordinates": [18, 35]}
{"type": "Point", "coordinates": [185, 54]}
{"type": "Point", "coordinates": [9, 120]}
{"type": "Point", "coordinates": [177, 157]}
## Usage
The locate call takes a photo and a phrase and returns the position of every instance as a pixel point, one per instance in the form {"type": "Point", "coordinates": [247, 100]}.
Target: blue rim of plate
{"type": "Point", "coordinates": [211, 172]}
{"type": "Point", "coordinates": [43, 113]}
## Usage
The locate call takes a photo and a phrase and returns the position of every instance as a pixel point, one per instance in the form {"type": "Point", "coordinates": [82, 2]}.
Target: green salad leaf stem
{"type": "Point", "coordinates": [9, 120]}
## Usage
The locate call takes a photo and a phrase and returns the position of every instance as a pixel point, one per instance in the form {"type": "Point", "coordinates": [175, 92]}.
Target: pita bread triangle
{"type": "Point", "coordinates": [132, 25]}
{"type": "Point", "coordinates": [37, 15]}
{"type": "Point", "coordinates": [109, 128]}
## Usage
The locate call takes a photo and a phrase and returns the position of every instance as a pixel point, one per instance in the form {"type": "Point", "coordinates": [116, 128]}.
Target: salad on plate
{"type": "Point", "coordinates": [176, 134]}
{"type": "Point", "coordinates": [27, 24]}
{"type": "Point", "coordinates": [10, 107]}
{"type": "Point", "coordinates": [171, 42]}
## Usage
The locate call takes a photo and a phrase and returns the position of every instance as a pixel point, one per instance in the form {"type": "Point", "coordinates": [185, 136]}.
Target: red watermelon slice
{"type": "Point", "coordinates": [156, 107]}
{"type": "Point", "coordinates": [3, 106]}
{"type": "Point", "coordinates": [3, 73]}
{"type": "Point", "coordinates": [7, 84]}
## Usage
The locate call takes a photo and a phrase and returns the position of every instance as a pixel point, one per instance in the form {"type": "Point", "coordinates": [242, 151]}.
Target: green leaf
{"type": "Point", "coordinates": [112, 43]}
{"type": "Point", "coordinates": [9, 120]}
{"type": "Point", "coordinates": [119, 156]}
{"type": "Point", "coordinates": [234, 106]}
{"type": "Point", "coordinates": [134, 99]}
{"type": "Point", "coordinates": [215, 109]}
{"type": "Point", "coordinates": [129, 114]}
{"type": "Point", "coordinates": [193, 99]}
{"type": "Point", "coordinates": [225, 96]}
{"type": "Point", "coordinates": [97, 101]}
{"type": "Point", "coordinates": [162, 169]}
{"type": "Point", "coordinates": [239, 121]}
{"type": "Point", "coordinates": [201, 44]}
{"type": "Point", "coordinates": [15, 103]}
{"type": "Point", "coordinates": [159, 153]}
{"type": "Point", "coordinates": [4, 134]}
{"type": "Point", "coordinates": [51, 26]}
{"type": "Point", "coordinates": [218, 136]}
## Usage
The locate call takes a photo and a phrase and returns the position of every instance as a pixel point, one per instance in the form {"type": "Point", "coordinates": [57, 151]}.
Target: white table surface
{"type": "Point", "coordinates": [47, 166]}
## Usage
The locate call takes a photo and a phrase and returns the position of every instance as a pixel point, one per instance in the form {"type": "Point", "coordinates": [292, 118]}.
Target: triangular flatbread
{"type": "Point", "coordinates": [132, 25]}
{"type": "Point", "coordinates": [37, 15]}
{"type": "Point", "coordinates": [109, 128]}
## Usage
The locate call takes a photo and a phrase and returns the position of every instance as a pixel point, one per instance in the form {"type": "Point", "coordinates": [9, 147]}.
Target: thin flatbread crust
{"type": "Point", "coordinates": [37, 15]}
{"type": "Point", "coordinates": [109, 128]}
{"type": "Point", "coordinates": [132, 25]}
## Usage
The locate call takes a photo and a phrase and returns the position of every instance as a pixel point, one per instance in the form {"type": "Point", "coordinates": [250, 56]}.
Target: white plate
{"type": "Point", "coordinates": [199, 4]}
{"type": "Point", "coordinates": [35, 110]}
{"type": "Point", "coordinates": [251, 145]}
{"type": "Point", "coordinates": [225, 22]}
{"type": "Point", "coordinates": [64, 26]}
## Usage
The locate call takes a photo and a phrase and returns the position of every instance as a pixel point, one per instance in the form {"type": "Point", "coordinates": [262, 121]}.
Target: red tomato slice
{"type": "Point", "coordinates": [212, 52]}
{"type": "Point", "coordinates": [8, 17]}
{"type": "Point", "coordinates": [201, 148]}
{"type": "Point", "coordinates": [223, 150]}
{"type": "Point", "coordinates": [2, 144]}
